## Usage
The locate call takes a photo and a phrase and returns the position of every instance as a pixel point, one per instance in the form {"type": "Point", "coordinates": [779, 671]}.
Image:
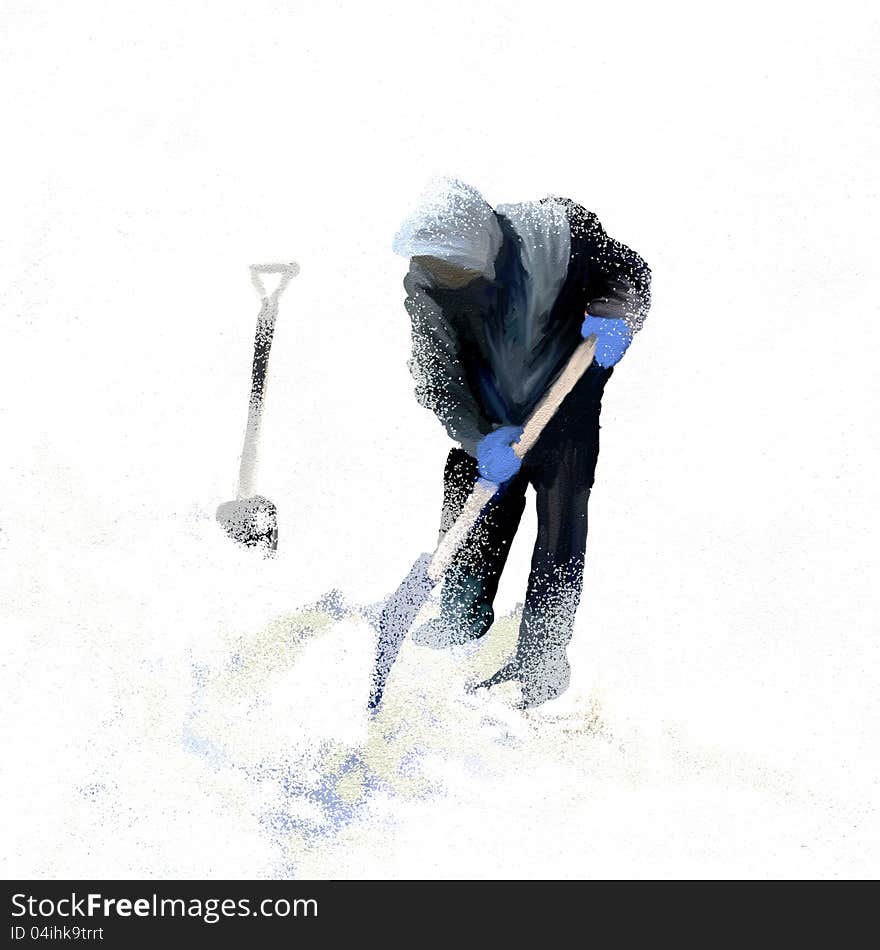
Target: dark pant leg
{"type": "Point", "coordinates": [471, 581]}
{"type": "Point", "coordinates": [561, 469]}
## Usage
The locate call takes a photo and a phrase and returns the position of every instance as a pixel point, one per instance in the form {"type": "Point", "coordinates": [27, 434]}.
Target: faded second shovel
{"type": "Point", "coordinates": [252, 519]}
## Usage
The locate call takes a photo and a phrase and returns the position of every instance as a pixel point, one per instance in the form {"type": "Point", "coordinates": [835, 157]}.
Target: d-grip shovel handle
{"type": "Point", "coordinates": [287, 271]}
{"type": "Point", "coordinates": [484, 490]}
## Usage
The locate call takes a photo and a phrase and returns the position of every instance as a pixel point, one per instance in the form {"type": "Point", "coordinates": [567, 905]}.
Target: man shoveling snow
{"type": "Point", "coordinates": [499, 301]}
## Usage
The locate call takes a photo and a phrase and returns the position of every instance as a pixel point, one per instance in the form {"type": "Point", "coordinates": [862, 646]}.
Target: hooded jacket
{"type": "Point", "coordinates": [484, 353]}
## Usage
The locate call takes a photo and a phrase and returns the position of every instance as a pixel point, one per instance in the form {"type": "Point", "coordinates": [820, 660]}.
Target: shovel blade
{"type": "Point", "coordinates": [398, 614]}
{"type": "Point", "coordinates": [252, 522]}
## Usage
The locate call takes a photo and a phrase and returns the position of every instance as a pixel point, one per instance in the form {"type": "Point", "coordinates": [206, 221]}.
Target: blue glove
{"type": "Point", "coordinates": [613, 337]}
{"type": "Point", "coordinates": [495, 456]}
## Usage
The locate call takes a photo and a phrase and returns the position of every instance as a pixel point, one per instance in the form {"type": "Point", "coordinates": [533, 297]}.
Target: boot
{"type": "Point", "coordinates": [541, 676]}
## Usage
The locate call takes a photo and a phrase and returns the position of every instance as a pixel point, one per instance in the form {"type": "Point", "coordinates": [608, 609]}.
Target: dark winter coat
{"type": "Point", "coordinates": [484, 354]}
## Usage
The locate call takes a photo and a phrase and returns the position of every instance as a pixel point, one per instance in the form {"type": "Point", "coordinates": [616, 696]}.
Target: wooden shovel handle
{"type": "Point", "coordinates": [552, 399]}
{"type": "Point", "coordinates": [484, 490]}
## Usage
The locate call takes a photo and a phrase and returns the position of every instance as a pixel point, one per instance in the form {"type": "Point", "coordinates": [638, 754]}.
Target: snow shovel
{"type": "Point", "coordinates": [249, 518]}
{"type": "Point", "coordinates": [402, 606]}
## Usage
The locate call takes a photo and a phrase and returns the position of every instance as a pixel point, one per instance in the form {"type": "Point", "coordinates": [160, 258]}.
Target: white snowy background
{"type": "Point", "coordinates": [161, 717]}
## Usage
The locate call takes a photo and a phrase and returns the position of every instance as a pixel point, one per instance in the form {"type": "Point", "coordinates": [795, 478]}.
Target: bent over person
{"type": "Point", "coordinates": [499, 300]}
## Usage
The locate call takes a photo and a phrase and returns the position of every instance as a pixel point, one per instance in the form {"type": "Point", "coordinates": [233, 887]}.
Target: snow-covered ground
{"type": "Point", "coordinates": [173, 712]}
{"type": "Point", "coordinates": [173, 706]}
